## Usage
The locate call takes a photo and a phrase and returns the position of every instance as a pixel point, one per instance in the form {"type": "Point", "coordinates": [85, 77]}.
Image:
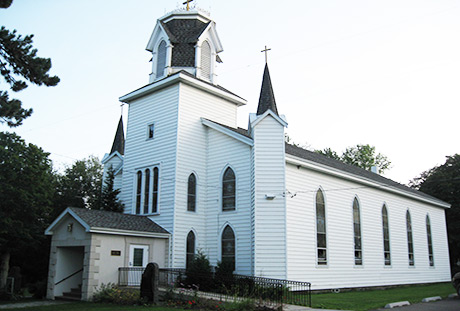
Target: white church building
{"type": "Point", "coordinates": [191, 181]}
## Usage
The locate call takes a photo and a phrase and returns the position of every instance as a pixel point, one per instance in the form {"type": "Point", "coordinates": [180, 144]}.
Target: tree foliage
{"type": "Point", "coordinates": [19, 63]}
{"type": "Point", "coordinates": [364, 156]}
{"type": "Point", "coordinates": [443, 182]}
{"type": "Point", "coordinates": [109, 200]}
{"type": "Point", "coordinates": [26, 193]}
{"type": "Point", "coordinates": [79, 186]}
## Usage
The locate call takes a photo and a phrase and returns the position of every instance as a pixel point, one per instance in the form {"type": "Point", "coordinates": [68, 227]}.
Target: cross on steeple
{"type": "Point", "coordinates": [266, 50]}
{"type": "Point", "coordinates": [187, 3]}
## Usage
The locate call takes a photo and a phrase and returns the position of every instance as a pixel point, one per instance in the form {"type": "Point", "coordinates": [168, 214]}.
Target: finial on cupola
{"type": "Point", "coordinates": [187, 3]}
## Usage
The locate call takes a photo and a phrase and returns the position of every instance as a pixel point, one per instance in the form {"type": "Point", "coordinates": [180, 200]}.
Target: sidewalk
{"type": "Point", "coordinates": [31, 304]}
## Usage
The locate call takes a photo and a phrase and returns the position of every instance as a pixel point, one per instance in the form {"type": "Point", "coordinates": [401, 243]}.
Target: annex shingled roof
{"type": "Point", "coordinates": [119, 221]}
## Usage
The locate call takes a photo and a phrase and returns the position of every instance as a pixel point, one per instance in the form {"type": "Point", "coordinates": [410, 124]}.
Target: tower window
{"type": "Point", "coordinates": [155, 191]}
{"type": "Point", "coordinates": [150, 131]}
{"type": "Point", "coordinates": [190, 249]}
{"type": "Point", "coordinates": [139, 192]}
{"type": "Point", "coordinates": [191, 193]}
{"type": "Point", "coordinates": [146, 191]}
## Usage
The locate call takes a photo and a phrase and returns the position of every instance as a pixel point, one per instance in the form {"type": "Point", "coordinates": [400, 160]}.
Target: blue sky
{"type": "Point", "coordinates": [385, 73]}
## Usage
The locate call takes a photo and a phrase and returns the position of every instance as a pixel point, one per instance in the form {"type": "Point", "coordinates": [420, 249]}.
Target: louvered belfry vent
{"type": "Point", "coordinates": [206, 60]}
{"type": "Point", "coordinates": [161, 59]}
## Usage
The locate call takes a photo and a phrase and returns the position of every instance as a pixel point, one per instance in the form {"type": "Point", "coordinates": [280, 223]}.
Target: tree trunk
{"type": "Point", "coordinates": [4, 267]}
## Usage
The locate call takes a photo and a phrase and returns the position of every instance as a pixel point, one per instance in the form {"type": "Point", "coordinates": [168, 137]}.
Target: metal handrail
{"type": "Point", "coordinates": [68, 277]}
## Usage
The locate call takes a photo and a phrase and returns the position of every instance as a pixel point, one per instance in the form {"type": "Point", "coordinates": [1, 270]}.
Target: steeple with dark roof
{"type": "Point", "coordinates": [267, 97]}
{"type": "Point", "coordinates": [119, 140]}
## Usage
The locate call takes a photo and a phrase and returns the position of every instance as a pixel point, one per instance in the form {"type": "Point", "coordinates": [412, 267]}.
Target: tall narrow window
{"type": "Point", "coordinates": [206, 60]}
{"type": "Point", "coordinates": [228, 190]}
{"type": "Point", "coordinates": [139, 192]}
{"type": "Point", "coordinates": [190, 249]}
{"type": "Point", "coordinates": [321, 228]}
{"type": "Point", "coordinates": [410, 244]}
{"type": "Point", "coordinates": [228, 246]}
{"type": "Point", "coordinates": [386, 237]}
{"type": "Point", "coordinates": [430, 243]}
{"type": "Point", "coordinates": [191, 193]}
{"type": "Point", "coordinates": [161, 59]}
{"type": "Point", "coordinates": [155, 191]}
{"type": "Point", "coordinates": [146, 191]}
{"type": "Point", "coordinates": [357, 233]}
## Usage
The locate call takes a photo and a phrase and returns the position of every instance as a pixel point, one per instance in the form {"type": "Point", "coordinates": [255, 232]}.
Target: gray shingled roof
{"type": "Point", "coordinates": [119, 140]}
{"type": "Point", "coordinates": [113, 220]}
{"type": "Point", "coordinates": [339, 165]}
{"type": "Point", "coordinates": [184, 34]}
{"type": "Point", "coordinates": [267, 97]}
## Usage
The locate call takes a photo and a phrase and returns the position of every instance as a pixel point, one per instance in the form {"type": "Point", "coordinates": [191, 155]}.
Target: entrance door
{"type": "Point", "coordinates": [138, 259]}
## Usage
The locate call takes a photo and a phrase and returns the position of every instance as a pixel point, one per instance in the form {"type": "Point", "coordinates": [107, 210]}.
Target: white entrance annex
{"type": "Point", "coordinates": [294, 214]}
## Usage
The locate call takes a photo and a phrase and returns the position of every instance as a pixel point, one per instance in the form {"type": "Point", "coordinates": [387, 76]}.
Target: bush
{"type": "Point", "coordinates": [112, 294]}
{"type": "Point", "coordinates": [199, 273]}
{"type": "Point", "coordinates": [38, 289]}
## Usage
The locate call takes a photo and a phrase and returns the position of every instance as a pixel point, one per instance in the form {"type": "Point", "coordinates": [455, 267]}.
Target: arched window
{"type": "Point", "coordinates": [357, 233]}
{"type": "Point", "coordinates": [410, 244]}
{"type": "Point", "coordinates": [155, 191]}
{"type": "Point", "coordinates": [228, 190]}
{"type": "Point", "coordinates": [206, 60]}
{"type": "Point", "coordinates": [139, 192]}
{"type": "Point", "coordinates": [190, 249]}
{"type": "Point", "coordinates": [147, 191]}
{"type": "Point", "coordinates": [191, 193]}
{"type": "Point", "coordinates": [386, 236]}
{"type": "Point", "coordinates": [161, 59]}
{"type": "Point", "coordinates": [430, 243]}
{"type": "Point", "coordinates": [228, 246]}
{"type": "Point", "coordinates": [321, 228]}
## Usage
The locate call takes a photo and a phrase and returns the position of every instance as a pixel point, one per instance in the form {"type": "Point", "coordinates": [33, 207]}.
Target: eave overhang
{"type": "Point", "coordinates": [228, 132]}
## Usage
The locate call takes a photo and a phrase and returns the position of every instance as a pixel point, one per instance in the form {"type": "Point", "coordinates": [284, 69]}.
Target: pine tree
{"type": "Point", "coordinates": [19, 63]}
{"type": "Point", "coordinates": [109, 198]}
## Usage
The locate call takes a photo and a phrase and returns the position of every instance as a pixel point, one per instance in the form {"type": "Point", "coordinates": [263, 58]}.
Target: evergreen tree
{"type": "Point", "coordinates": [109, 199]}
{"type": "Point", "coordinates": [19, 63]}
{"type": "Point", "coordinates": [26, 192]}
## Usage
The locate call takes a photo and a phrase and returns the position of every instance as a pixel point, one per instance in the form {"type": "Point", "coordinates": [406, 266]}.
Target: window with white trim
{"type": "Point", "coordinates": [150, 131]}
{"type": "Point", "coordinates": [146, 198]}
{"type": "Point", "coordinates": [386, 237]}
{"type": "Point", "coordinates": [321, 240]}
{"type": "Point", "coordinates": [190, 249]}
{"type": "Point", "coordinates": [191, 193]}
{"type": "Point", "coordinates": [228, 190]}
{"type": "Point", "coordinates": [410, 242]}
{"type": "Point", "coordinates": [228, 246]}
{"type": "Point", "coordinates": [357, 233]}
{"type": "Point", "coordinates": [430, 242]}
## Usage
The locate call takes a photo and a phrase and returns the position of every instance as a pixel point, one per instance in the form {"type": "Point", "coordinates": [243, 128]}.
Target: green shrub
{"type": "Point", "coordinates": [199, 273]}
{"type": "Point", "coordinates": [112, 294]}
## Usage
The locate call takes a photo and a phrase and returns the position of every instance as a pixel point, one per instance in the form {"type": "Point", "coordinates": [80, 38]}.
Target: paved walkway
{"type": "Point", "coordinates": [31, 304]}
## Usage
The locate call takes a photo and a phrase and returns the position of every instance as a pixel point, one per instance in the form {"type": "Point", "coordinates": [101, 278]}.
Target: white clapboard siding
{"type": "Point", "coordinates": [192, 157]}
{"type": "Point", "coordinates": [269, 216]}
{"type": "Point", "coordinates": [341, 271]}
{"type": "Point", "coordinates": [161, 109]}
{"type": "Point", "coordinates": [224, 151]}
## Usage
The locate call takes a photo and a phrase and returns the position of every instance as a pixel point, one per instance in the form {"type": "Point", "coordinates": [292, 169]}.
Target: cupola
{"type": "Point", "coordinates": [185, 40]}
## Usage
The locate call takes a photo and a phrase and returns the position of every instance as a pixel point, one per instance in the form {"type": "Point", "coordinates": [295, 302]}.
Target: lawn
{"type": "Point", "coordinates": [374, 299]}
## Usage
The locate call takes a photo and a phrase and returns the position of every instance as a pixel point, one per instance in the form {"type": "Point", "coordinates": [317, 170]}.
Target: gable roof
{"type": "Point", "coordinates": [323, 160]}
{"type": "Point", "coordinates": [267, 97]}
{"type": "Point", "coordinates": [110, 222]}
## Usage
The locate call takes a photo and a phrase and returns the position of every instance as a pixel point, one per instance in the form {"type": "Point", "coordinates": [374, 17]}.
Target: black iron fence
{"type": "Point", "coordinates": [225, 287]}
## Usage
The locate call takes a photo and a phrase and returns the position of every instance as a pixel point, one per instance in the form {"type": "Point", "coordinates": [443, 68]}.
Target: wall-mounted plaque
{"type": "Point", "coordinates": [115, 253]}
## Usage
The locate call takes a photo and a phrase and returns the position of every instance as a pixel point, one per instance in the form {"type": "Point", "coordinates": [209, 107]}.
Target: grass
{"type": "Point", "coordinates": [374, 299]}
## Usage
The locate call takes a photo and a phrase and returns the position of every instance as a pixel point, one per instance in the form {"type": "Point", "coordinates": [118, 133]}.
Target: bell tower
{"type": "Point", "coordinates": [185, 39]}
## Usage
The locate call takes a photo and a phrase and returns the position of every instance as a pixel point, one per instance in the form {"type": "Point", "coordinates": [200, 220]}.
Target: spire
{"type": "Point", "coordinates": [119, 141]}
{"type": "Point", "coordinates": [267, 98]}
